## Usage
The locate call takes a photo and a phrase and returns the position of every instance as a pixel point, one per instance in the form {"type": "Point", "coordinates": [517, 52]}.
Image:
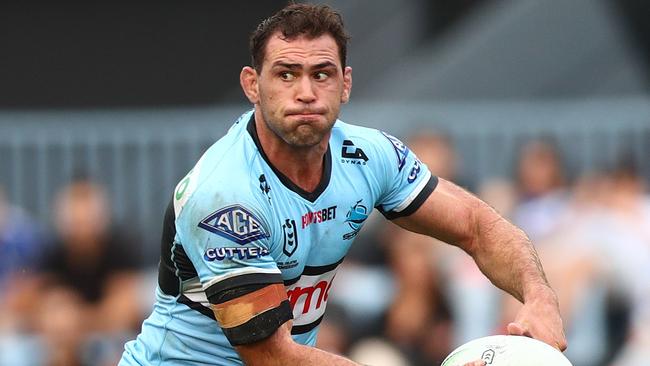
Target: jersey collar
{"type": "Point", "coordinates": [309, 196]}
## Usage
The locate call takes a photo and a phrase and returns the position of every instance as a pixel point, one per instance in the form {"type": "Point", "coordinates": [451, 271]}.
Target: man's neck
{"type": "Point", "coordinates": [303, 166]}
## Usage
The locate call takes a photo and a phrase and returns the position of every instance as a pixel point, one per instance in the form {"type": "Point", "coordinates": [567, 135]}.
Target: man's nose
{"type": "Point", "coordinates": [305, 92]}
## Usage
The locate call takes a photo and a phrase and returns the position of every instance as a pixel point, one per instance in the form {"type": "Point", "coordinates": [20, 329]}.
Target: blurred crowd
{"type": "Point", "coordinates": [69, 297]}
{"type": "Point", "coordinates": [407, 299]}
{"type": "Point", "coordinates": [72, 294]}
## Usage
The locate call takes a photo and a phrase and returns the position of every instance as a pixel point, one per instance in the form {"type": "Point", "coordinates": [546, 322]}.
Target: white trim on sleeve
{"type": "Point", "coordinates": [409, 199]}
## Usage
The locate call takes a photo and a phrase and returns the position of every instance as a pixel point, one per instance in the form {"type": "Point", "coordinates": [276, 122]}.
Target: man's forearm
{"type": "Point", "coordinates": [280, 350]}
{"type": "Point", "coordinates": [300, 355]}
{"type": "Point", "coordinates": [506, 256]}
{"type": "Point", "coordinates": [307, 355]}
{"type": "Point", "coordinates": [502, 252]}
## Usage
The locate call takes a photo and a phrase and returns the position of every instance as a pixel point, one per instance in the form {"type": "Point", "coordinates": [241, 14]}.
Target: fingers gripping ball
{"type": "Point", "coordinates": [507, 350]}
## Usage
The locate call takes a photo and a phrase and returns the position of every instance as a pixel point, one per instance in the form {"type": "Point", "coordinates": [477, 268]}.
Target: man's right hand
{"type": "Point", "coordinates": [476, 363]}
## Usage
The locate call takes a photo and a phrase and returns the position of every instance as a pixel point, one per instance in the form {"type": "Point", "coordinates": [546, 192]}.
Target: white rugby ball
{"type": "Point", "coordinates": [507, 350]}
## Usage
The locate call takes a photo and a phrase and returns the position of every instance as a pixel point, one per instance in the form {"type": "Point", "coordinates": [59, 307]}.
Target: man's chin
{"type": "Point", "coordinates": [305, 140]}
{"type": "Point", "coordinates": [304, 143]}
{"type": "Point", "coordinates": [307, 135]}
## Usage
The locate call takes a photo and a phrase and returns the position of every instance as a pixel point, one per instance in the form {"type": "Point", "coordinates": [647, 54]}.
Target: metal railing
{"type": "Point", "coordinates": [139, 155]}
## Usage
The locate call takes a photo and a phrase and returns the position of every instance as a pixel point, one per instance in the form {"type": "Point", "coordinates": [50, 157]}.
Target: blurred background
{"type": "Point", "coordinates": [541, 108]}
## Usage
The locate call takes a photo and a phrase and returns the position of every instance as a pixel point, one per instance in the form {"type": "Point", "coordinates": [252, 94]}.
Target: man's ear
{"type": "Point", "coordinates": [248, 82]}
{"type": "Point", "coordinates": [347, 84]}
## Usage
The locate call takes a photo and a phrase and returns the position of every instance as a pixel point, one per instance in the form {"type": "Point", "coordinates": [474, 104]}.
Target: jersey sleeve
{"type": "Point", "coordinates": [226, 237]}
{"type": "Point", "coordinates": [406, 181]}
{"type": "Point", "coordinates": [229, 247]}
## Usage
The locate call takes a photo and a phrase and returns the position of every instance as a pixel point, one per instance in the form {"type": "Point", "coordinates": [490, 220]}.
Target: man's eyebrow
{"type": "Point", "coordinates": [287, 65]}
{"type": "Point", "coordinates": [291, 66]}
{"type": "Point", "coordinates": [325, 64]}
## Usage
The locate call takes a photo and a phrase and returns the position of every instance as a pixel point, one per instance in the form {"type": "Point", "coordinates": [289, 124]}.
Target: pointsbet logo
{"type": "Point", "coordinates": [319, 216]}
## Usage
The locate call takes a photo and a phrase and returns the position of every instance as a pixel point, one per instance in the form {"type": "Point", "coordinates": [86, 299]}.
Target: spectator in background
{"type": "Point", "coordinates": [20, 243]}
{"type": "Point", "coordinates": [595, 244]}
{"type": "Point", "coordinates": [89, 295]}
{"type": "Point", "coordinates": [557, 220]}
{"type": "Point", "coordinates": [540, 180]}
{"type": "Point", "coordinates": [622, 238]}
{"type": "Point", "coordinates": [20, 250]}
{"type": "Point", "coordinates": [438, 286]}
{"type": "Point", "coordinates": [571, 262]}
{"type": "Point", "coordinates": [419, 320]}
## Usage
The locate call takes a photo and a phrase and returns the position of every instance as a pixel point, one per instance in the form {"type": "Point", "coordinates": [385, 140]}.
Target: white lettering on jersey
{"type": "Point", "coordinates": [308, 297]}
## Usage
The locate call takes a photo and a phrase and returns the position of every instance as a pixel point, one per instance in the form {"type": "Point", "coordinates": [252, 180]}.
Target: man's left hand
{"type": "Point", "coordinates": [539, 318]}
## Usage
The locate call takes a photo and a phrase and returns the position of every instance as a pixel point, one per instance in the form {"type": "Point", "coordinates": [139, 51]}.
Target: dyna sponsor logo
{"type": "Point", "coordinates": [319, 216]}
{"type": "Point", "coordinates": [351, 154]}
{"type": "Point", "coordinates": [308, 297]}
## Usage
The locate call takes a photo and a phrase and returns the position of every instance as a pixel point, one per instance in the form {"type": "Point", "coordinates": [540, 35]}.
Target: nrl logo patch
{"type": "Point", "coordinates": [290, 237]}
{"type": "Point", "coordinates": [234, 223]}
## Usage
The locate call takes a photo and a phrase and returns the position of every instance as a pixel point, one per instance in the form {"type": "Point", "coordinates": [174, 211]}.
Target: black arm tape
{"type": "Point", "coordinates": [426, 191]}
{"type": "Point", "coordinates": [233, 293]}
{"type": "Point", "coordinates": [239, 286]}
{"type": "Point", "coordinates": [260, 327]}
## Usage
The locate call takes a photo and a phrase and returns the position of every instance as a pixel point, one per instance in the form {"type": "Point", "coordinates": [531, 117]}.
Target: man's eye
{"type": "Point", "coordinates": [286, 76]}
{"type": "Point", "coordinates": [321, 75]}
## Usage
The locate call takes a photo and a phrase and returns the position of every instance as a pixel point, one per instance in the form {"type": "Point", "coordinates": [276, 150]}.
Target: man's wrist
{"type": "Point", "coordinates": [540, 293]}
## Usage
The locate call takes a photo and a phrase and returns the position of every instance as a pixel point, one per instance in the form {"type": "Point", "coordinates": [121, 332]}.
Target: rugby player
{"type": "Point", "coordinates": [254, 233]}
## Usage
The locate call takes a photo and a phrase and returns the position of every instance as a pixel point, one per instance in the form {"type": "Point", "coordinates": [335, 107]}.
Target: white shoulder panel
{"type": "Point", "coordinates": [186, 187]}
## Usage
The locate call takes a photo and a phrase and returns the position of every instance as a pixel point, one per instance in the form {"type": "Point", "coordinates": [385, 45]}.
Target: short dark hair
{"type": "Point", "coordinates": [297, 20]}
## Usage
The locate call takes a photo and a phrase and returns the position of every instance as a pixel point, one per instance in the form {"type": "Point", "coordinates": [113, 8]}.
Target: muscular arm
{"type": "Point", "coordinates": [280, 349]}
{"type": "Point", "coordinates": [501, 250]}
{"type": "Point", "coordinates": [254, 320]}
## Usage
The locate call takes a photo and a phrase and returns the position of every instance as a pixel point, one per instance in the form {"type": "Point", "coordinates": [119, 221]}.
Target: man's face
{"type": "Point", "coordinates": [300, 88]}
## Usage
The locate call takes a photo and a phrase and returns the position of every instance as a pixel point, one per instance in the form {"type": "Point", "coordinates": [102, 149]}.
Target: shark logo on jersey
{"type": "Point", "coordinates": [401, 150]}
{"type": "Point", "coordinates": [355, 218]}
{"type": "Point", "coordinates": [352, 155]}
{"type": "Point", "coordinates": [234, 223]}
{"type": "Point", "coordinates": [290, 237]}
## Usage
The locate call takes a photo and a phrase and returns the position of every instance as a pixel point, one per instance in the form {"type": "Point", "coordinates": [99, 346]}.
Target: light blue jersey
{"type": "Point", "coordinates": [236, 220]}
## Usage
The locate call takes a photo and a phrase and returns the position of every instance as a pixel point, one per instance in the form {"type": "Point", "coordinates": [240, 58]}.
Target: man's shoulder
{"type": "Point", "coordinates": [372, 141]}
{"type": "Point", "coordinates": [370, 135]}
{"type": "Point", "coordinates": [350, 129]}
{"type": "Point", "coordinates": [222, 174]}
